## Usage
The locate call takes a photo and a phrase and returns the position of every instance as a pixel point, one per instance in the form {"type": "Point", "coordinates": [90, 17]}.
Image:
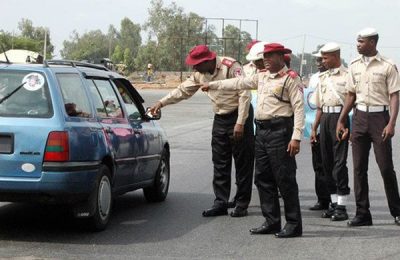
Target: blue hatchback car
{"type": "Point", "coordinates": [77, 133]}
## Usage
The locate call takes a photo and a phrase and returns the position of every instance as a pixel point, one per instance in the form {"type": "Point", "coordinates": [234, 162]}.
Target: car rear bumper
{"type": "Point", "coordinates": [59, 183]}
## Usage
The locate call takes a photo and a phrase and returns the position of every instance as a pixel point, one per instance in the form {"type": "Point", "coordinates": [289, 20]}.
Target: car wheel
{"type": "Point", "coordinates": [101, 200]}
{"type": "Point", "coordinates": [159, 190]}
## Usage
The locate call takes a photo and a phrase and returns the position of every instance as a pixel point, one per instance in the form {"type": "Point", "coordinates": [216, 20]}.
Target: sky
{"type": "Point", "coordinates": [298, 24]}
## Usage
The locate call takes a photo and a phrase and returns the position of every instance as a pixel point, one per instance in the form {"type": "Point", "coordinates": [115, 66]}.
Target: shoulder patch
{"type": "Point", "coordinates": [293, 74]}
{"type": "Point", "coordinates": [238, 72]}
{"type": "Point", "coordinates": [300, 87]}
{"type": "Point", "coordinates": [227, 62]}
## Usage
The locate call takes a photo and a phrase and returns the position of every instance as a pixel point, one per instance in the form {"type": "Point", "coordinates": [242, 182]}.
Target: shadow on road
{"type": "Point", "coordinates": [133, 221]}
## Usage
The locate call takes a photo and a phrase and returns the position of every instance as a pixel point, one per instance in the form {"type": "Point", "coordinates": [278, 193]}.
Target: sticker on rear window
{"type": "Point", "coordinates": [33, 81]}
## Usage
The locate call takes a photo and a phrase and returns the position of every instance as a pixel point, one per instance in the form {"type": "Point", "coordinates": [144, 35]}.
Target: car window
{"type": "Point", "coordinates": [132, 109]}
{"type": "Point", "coordinates": [97, 100]}
{"type": "Point", "coordinates": [111, 106]}
{"type": "Point", "coordinates": [24, 94]}
{"type": "Point", "coordinates": [76, 102]}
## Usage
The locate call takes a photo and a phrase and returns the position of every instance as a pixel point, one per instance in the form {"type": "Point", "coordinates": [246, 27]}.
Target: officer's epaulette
{"type": "Point", "coordinates": [383, 58]}
{"type": "Point", "coordinates": [321, 74]}
{"type": "Point", "coordinates": [356, 59]}
{"type": "Point", "coordinates": [228, 62]}
{"type": "Point", "coordinates": [293, 74]}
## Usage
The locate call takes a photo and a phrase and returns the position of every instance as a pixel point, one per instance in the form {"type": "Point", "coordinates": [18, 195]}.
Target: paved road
{"type": "Point", "coordinates": [175, 228]}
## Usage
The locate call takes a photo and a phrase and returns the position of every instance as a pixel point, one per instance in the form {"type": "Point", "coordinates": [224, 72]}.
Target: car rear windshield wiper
{"type": "Point", "coordinates": [11, 93]}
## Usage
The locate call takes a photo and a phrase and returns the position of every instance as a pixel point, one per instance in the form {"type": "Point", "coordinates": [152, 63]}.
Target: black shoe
{"type": "Point", "coordinates": [290, 231]}
{"type": "Point", "coordinates": [340, 214]}
{"type": "Point", "coordinates": [231, 204]}
{"type": "Point", "coordinates": [215, 211]}
{"type": "Point", "coordinates": [320, 205]}
{"type": "Point", "coordinates": [330, 211]}
{"type": "Point", "coordinates": [239, 212]}
{"type": "Point", "coordinates": [265, 229]}
{"type": "Point", "coordinates": [358, 221]}
{"type": "Point", "coordinates": [397, 220]}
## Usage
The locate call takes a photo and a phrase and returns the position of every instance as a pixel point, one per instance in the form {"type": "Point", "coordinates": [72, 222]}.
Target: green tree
{"type": "Point", "coordinates": [91, 46]}
{"type": "Point", "coordinates": [148, 53]}
{"type": "Point", "coordinates": [176, 32]}
{"type": "Point", "coordinates": [127, 45]}
{"type": "Point", "coordinates": [113, 40]}
{"type": "Point", "coordinates": [118, 55]}
{"type": "Point", "coordinates": [37, 35]}
{"type": "Point", "coordinates": [6, 40]}
{"type": "Point", "coordinates": [129, 59]}
{"type": "Point", "coordinates": [168, 26]}
{"type": "Point", "coordinates": [30, 38]}
{"type": "Point", "coordinates": [234, 42]}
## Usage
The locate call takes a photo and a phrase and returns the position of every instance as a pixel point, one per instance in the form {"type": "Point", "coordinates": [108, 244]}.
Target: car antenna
{"type": "Point", "coordinates": [5, 55]}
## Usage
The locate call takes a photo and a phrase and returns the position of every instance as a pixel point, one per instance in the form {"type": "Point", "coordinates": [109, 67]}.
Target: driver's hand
{"type": "Point", "coordinates": [154, 109]}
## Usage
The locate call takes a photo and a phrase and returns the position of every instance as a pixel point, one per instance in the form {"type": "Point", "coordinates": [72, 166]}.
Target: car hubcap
{"type": "Point", "coordinates": [163, 176]}
{"type": "Point", "coordinates": [104, 197]}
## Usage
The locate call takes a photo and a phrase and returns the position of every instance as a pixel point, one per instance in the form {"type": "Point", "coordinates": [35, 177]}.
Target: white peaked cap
{"type": "Point", "coordinates": [256, 51]}
{"type": "Point", "coordinates": [330, 47]}
{"type": "Point", "coordinates": [367, 32]}
{"type": "Point", "coordinates": [318, 53]}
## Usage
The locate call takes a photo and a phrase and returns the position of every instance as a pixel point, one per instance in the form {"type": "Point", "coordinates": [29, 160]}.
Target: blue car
{"type": "Point", "coordinates": [77, 133]}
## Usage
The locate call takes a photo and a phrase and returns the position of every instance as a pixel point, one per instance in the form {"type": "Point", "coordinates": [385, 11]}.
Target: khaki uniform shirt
{"type": "Point", "coordinates": [373, 80]}
{"type": "Point", "coordinates": [249, 69]}
{"type": "Point", "coordinates": [331, 88]}
{"type": "Point", "coordinates": [224, 102]}
{"type": "Point", "coordinates": [271, 87]}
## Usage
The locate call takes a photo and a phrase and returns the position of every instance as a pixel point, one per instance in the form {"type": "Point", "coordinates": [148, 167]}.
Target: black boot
{"type": "Point", "coordinates": [329, 212]}
{"type": "Point", "coordinates": [340, 213]}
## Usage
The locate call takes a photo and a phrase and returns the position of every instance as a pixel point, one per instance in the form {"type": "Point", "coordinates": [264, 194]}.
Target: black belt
{"type": "Point", "coordinates": [273, 123]}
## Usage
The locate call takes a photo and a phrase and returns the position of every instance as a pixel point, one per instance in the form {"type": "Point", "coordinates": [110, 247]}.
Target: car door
{"type": "Point", "coordinates": [147, 139]}
{"type": "Point", "coordinates": [117, 128]}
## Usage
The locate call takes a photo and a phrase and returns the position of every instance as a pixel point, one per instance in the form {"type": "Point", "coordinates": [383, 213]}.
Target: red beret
{"type": "Point", "coordinates": [199, 54]}
{"type": "Point", "coordinates": [250, 44]}
{"type": "Point", "coordinates": [276, 47]}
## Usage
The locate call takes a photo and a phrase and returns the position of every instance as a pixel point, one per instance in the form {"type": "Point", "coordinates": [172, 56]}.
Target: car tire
{"type": "Point", "coordinates": [159, 190]}
{"type": "Point", "coordinates": [101, 200]}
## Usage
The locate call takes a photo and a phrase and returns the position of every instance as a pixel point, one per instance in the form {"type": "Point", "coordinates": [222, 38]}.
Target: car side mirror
{"type": "Point", "coordinates": [152, 116]}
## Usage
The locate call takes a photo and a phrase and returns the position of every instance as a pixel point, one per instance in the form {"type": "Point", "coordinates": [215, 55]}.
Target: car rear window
{"type": "Point", "coordinates": [24, 94]}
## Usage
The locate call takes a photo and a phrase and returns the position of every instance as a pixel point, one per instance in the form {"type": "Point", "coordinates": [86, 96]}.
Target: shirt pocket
{"type": "Point", "coordinates": [378, 81]}
{"type": "Point", "coordinates": [341, 87]}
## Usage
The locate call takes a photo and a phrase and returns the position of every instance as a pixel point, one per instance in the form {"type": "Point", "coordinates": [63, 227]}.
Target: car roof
{"type": "Point", "coordinates": [93, 70]}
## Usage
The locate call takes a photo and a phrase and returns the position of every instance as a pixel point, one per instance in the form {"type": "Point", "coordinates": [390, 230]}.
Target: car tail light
{"type": "Point", "coordinates": [57, 147]}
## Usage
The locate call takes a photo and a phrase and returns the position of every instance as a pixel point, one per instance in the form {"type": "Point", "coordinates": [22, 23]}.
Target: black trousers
{"type": "Point", "coordinates": [321, 188]}
{"type": "Point", "coordinates": [223, 148]}
{"type": "Point", "coordinates": [274, 170]}
{"type": "Point", "coordinates": [334, 155]}
{"type": "Point", "coordinates": [367, 129]}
